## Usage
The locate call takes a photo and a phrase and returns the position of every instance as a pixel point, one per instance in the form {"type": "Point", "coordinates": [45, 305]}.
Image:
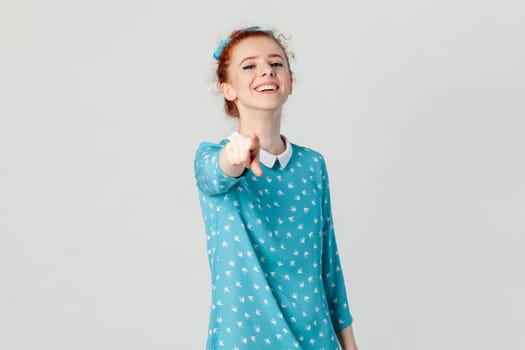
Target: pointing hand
{"type": "Point", "coordinates": [242, 152]}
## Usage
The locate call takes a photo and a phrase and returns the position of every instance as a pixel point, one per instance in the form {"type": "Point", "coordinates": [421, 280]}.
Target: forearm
{"type": "Point", "coordinates": [210, 177]}
{"type": "Point", "coordinates": [346, 338]}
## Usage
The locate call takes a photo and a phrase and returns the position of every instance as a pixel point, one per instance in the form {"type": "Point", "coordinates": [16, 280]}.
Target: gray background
{"type": "Point", "coordinates": [418, 107]}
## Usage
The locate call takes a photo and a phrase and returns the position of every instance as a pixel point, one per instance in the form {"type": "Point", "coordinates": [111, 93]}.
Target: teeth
{"type": "Point", "coordinates": [266, 88]}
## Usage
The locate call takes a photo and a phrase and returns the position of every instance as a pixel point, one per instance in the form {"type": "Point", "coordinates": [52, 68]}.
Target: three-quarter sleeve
{"type": "Point", "coordinates": [333, 277]}
{"type": "Point", "coordinates": [210, 178]}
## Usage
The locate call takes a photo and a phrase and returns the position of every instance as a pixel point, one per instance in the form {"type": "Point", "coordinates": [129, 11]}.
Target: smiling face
{"type": "Point", "coordinates": [258, 76]}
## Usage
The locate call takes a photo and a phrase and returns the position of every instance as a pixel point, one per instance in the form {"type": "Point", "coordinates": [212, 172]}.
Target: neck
{"type": "Point", "coordinates": [267, 126]}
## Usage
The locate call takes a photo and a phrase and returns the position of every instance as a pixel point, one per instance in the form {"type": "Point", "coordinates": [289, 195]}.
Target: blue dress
{"type": "Point", "coordinates": [276, 276]}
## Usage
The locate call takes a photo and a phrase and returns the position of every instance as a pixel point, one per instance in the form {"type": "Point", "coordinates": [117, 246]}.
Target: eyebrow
{"type": "Point", "coordinates": [272, 55]}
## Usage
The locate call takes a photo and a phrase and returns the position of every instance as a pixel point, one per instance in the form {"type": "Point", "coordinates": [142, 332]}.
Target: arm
{"type": "Point", "coordinates": [209, 177]}
{"type": "Point", "coordinates": [346, 338]}
{"type": "Point", "coordinates": [333, 278]}
{"type": "Point", "coordinates": [219, 166]}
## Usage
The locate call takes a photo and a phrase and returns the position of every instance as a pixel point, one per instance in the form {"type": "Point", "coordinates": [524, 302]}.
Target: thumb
{"type": "Point", "coordinates": [255, 165]}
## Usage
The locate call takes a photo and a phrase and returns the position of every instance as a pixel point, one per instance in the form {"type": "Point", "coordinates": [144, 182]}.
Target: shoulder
{"type": "Point", "coordinates": [310, 159]}
{"type": "Point", "coordinates": [208, 152]}
{"type": "Point", "coordinates": [220, 143]}
{"type": "Point", "coordinates": [308, 154]}
{"type": "Point", "coordinates": [208, 145]}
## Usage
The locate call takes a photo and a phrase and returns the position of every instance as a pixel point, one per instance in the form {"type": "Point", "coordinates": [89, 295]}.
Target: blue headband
{"type": "Point", "coordinates": [226, 41]}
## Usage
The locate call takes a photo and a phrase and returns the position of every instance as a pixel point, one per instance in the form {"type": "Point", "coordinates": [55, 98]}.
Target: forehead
{"type": "Point", "coordinates": [256, 46]}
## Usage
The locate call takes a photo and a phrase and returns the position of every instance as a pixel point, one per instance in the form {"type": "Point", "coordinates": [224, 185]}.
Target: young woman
{"type": "Point", "coordinates": [276, 276]}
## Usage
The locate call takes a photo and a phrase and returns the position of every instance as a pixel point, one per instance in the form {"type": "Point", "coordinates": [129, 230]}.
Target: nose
{"type": "Point", "coordinates": [268, 71]}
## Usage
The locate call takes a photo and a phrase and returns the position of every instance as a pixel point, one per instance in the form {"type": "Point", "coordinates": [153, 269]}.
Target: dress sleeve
{"type": "Point", "coordinates": [210, 178]}
{"type": "Point", "coordinates": [333, 277]}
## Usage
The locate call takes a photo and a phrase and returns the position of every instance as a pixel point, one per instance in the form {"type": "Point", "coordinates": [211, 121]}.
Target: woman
{"type": "Point", "coordinates": [277, 281]}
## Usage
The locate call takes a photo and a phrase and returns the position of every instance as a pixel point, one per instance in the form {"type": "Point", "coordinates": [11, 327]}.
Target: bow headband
{"type": "Point", "coordinates": [226, 41]}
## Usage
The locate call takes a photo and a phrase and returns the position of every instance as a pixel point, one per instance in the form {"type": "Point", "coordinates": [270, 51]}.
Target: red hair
{"type": "Point", "coordinates": [223, 62]}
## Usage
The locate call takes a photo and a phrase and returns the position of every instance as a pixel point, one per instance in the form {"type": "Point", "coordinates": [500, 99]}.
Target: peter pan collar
{"type": "Point", "coordinates": [269, 159]}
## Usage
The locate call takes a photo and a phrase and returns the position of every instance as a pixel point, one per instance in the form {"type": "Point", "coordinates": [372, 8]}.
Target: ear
{"type": "Point", "coordinates": [228, 92]}
{"type": "Point", "coordinates": [291, 85]}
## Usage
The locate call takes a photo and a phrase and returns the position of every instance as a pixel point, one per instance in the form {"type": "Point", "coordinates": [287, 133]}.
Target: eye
{"type": "Point", "coordinates": [248, 66]}
{"type": "Point", "coordinates": [277, 64]}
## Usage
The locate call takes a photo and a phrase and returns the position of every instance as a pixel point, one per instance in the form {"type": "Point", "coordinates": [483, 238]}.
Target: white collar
{"type": "Point", "coordinates": [269, 159]}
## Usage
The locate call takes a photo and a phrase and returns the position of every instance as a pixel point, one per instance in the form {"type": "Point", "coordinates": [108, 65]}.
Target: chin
{"type": "Point", "coordinates": [275, 108]}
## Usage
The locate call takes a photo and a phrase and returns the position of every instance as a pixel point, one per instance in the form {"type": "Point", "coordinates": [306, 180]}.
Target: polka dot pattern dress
{"type": "Point", "coordinates": [276, 276]}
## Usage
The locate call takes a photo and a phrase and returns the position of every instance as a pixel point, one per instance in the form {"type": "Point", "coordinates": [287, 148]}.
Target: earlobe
{"type": "Point", "coordinates": [228, 92]}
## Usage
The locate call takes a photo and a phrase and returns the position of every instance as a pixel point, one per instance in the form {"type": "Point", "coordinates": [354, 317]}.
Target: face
{"type": "Point", "coordinates": [258, 76]}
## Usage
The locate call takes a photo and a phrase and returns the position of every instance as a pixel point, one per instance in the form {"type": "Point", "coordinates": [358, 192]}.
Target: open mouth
{"type": "Point", "coordinates": [267, 88]}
